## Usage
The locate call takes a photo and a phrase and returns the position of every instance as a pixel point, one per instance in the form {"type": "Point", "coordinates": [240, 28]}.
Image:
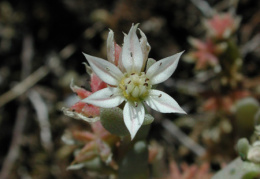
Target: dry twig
{"type": "Point", "coordinates": [183, 138]}
{"type": "Point", "coordinates": [43, 119]}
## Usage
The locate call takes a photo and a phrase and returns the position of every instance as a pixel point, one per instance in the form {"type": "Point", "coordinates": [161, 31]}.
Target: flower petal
{"type": "Point", "coordinates": [163, 69]}
{"type": "Point", "coordinates": [145, 46]}
{"type": "Point", "coordinates": [133, 117]}
{"type": "Point", "coordinates": [132, 56]}
{"type": "Point", "coordinates": [81, 115]}
{"type": "Point", "coordinates": [111, 47]}
{"type": "Point", "coordinates": [163, 103]}
{"type": "Point", "coordinates": [96, 83]}
{"type": "Point", "coordinates": [80, 92]}
{"type": "Point", "coordinates": [105, 70]}
{"type": "Point", "coordinates": [105, 98]}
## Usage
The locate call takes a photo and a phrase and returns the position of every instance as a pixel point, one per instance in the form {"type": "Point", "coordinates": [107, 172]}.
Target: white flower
{"type": "Point", "coordinates": [128, 82]}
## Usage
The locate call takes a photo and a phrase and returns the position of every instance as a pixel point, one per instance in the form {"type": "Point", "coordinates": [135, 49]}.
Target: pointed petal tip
{"type": "Point", "coordinates": [134, 27]}
{"type": "Point", "coordinates": [133, 118]}
{"type": "Point", "coordinates": [86, 55]}
{"type": "Point", "coordinates": [181, 112]}
{"type": "Point", "coordinates": [132, 136]}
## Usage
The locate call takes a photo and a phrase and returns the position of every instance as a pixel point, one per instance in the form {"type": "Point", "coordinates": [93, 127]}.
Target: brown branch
{"type": "Point", "coordinates": [43, 119]}
{"type": "Point", "coordinates": [13, 152]}
{"type": "Point", "coordinates": [16, 141]}
{"type": "Point", "coordinates": [183, 138]}
{"type": "Point", "coordinates": [24, 85]}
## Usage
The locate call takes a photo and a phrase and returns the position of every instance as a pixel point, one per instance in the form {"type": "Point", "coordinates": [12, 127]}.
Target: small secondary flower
{"type": "Point", "coordinates": [222, 25]}
{"type": "Point", "coordinates": [130, 83]}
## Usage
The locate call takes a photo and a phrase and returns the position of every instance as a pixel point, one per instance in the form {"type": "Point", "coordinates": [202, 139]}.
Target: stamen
{"type": "Point", "coordinates": [160, 64]}
{"type": "Point", "coordinates": [131, 54]}
{"type": "Point", "coordinates": [111, 95]}
{"type": "Point", "coordinates": [135, 86]}
{"type": "Point", "coordinates": [160, 95]}
{"type": "Point", "coordinates": [136, 104]}
{"type": "Point", "coordinates": [73, 110]}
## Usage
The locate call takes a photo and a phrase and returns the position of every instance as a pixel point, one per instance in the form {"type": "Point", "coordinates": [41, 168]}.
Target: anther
{"type": "Point", "coordinates": [111, 95]}
{"type": "Point", "coordinates": [131, 54]}
{"type": "Point", "coordinates": [160, 64]}
{"type": "Point", "coordinates": [160, 95]}
{"type": "Point", "coordinates": [107, 69]}
{"type": "Point", "coordinates": [146, 79]}
{"type": "Point", "coordinates": [73, 110]}
{"type": "Point", "coordinates": [132, 73]}
{"type": "Point", "coordinates": [136, 104]}
{"type": "Point", "coordinates": [129, 82]}
{"type": "Point", "coordinates": [125, 87]}
{"type": "Point", "coordinates": [145, 84]}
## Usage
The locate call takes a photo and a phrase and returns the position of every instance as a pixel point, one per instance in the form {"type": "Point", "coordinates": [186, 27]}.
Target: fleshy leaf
{"type": "Point", "coordinates": [107, 98]}
{"type": "Point", "coordinates": [112, 120]}
{"type": "Point", "coordinates": [84, 136]}
{"type": "Point", "coordinates": [105, 70]}
{"type": "Point", "coordinates": [133, 117]}
{"type": "Point", "coordinates": [163, 69]}
{"type": "Point", "coordinates": [148, 119]}
{"type": "Point", "coordinates": [132, 56]}
{"type": "Point", "coordinates": [162, 102]}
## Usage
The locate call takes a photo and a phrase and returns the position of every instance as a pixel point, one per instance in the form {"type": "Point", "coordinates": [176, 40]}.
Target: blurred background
{"type": "Point", "coordinates": [41, 45]}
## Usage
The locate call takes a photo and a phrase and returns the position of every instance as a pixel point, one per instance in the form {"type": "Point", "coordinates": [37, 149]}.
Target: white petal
{"type": "Point", "coordinates": [111, 47]}
{"type": "Point", "coordinates": [163, 69]}
{"type": "Point", "coordinates": [132, 56]}
{"type": "Point", "coordinates": [145, 46]}
{"type": "Point", "coordinates": [163, 103]}
{"type": "Point", "coordinates": [105, 70]}
{"type": "Point", "coordinates": [133, 117]}
{"type": "Point", "coordinates": [105, 98]}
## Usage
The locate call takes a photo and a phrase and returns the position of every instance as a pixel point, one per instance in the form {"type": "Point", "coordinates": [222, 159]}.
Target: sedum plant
{"type": "Point", "coordinates": [129, 83]}
{"type": "Point", "coordinates": [122, 87]}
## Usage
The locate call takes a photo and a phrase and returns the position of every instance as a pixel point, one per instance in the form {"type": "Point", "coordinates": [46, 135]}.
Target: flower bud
{"type": "Point", "coordinates": [243, 147]}
{"type": "Point", "coordinates": [245, 111]}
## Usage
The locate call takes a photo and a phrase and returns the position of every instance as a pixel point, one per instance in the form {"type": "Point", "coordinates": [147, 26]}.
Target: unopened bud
{"type": "Point", "coordinates": [243, 147]}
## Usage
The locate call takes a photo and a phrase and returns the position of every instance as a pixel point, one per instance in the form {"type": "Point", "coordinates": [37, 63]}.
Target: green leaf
{"type": "Point", "coordinates": [135, 164]}
{"type": "Point", "coordinates": [112, 120]}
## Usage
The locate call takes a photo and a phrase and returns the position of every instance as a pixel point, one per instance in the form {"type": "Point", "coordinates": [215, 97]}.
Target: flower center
{"type": "Point", "coordinates": [135, 87]}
